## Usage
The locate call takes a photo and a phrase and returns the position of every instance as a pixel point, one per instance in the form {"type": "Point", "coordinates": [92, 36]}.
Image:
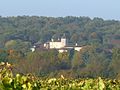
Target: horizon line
{"type": "Point", "coordinates": [91, 17]}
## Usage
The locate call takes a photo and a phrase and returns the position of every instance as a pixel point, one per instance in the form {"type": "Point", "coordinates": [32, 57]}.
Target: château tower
{"type": "Point", "coordinates": [64, 41]}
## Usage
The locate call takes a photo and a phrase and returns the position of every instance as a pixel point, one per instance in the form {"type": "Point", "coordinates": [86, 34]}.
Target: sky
{"type": "Point", "coordinates": [106, 9]}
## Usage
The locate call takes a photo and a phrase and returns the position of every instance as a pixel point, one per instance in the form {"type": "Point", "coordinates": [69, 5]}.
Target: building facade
{"type": "Point", "coordinates": [56, 44]}
{"type": "Point", "coordinates": [61, 45]}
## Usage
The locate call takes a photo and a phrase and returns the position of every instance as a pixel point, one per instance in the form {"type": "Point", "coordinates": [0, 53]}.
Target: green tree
{"type": "Point", "coordinates": [115, 62]}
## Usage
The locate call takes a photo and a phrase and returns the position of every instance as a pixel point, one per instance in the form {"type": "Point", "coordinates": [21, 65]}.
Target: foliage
{"type": "Point", "coordinates": [30, 82]}
{"type": "Point", "coordinates": [89, 62]}
{"type": "Point", "coordinates": [82, 30]}
{"type": "Point", "coordinates": [99, 38]}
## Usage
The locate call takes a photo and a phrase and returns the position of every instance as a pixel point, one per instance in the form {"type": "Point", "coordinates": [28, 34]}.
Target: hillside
{"type": "Point", "coordinates": [99, 57]}
{"type": "Point", "coordinates": [83, 30]}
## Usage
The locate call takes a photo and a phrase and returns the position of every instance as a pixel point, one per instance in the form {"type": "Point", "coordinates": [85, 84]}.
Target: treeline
{"type": "Point", "coordinates": [99, 57]}
{"type": "Point", "coordinates": [17, 32]}
{"type": "Point", "coordinates": [89, 62]}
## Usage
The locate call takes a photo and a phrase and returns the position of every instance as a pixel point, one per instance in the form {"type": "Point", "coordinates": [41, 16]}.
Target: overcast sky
{"type": "Point", "coordinates": [106, 9]}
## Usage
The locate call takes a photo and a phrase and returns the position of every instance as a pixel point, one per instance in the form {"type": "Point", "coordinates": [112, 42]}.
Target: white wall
{"type": "Point", "coordinates": [77, 48]}
{"type": "Point", "coordinates": [56, 45]}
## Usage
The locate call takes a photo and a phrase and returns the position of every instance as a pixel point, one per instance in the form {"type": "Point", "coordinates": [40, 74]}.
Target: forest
{"type": "Point", "coordinates": [100, 39]}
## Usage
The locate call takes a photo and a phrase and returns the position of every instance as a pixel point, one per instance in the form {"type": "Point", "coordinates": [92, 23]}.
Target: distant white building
{"type": "Point", "coordinates": [77, 48]}
{"type": "Point", "coordinates": [33, 48]}
{"type": "Point", "coordinates": [61, 45]}
{"type": "Point", "coordinates": [62, 50]}
{"type": "Point", "coordinates": [56, 44]}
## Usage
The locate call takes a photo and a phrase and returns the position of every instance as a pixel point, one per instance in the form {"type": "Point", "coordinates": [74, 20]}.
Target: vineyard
{"type": "Point", "coordinates": [8, 81]}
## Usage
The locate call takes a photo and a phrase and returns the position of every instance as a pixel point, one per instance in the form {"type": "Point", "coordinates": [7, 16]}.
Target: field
{"type": "Point", "coordinates": [29, 82]}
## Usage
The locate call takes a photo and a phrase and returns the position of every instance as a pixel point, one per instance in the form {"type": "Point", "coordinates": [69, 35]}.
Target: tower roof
{"type": "Point", "coordinates": [64, 36]}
